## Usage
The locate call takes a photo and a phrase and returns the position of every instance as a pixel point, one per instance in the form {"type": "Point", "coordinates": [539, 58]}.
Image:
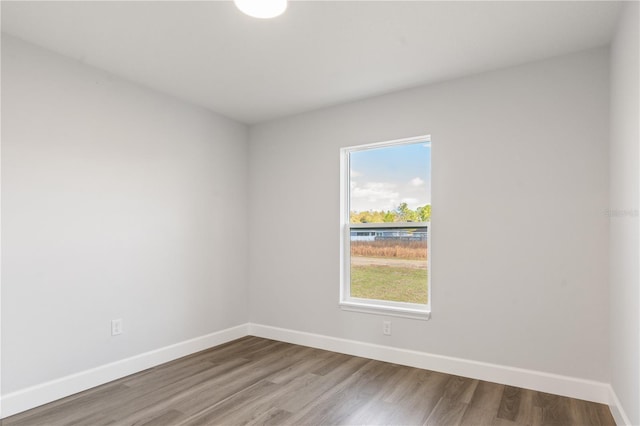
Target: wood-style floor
{"type": "Point", "coordinates": [259, 381]}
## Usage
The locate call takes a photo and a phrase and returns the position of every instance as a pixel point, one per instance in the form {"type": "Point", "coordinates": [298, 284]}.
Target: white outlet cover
{"type": "Point", "coordinates": [116, 327]}
{"type": "Point", "coordinates": [386, 328]}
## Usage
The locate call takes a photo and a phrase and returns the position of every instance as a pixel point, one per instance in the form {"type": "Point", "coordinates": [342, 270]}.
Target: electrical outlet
{"type": "Point", "coordinates": [386, 328]}
{"type": "Point", "coordinates": [116, 327]}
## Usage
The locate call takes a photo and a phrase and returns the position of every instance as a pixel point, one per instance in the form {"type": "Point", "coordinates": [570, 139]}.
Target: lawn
{"type": "Point", "coordinates": [398, 284]}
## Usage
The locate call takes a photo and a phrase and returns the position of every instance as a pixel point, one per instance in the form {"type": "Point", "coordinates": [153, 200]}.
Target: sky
{"type": "Point", "coordinates": [382, 178]}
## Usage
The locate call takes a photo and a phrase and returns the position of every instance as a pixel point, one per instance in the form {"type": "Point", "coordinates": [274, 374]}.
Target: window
{"type": "Point", "coordinates": [386, 228]}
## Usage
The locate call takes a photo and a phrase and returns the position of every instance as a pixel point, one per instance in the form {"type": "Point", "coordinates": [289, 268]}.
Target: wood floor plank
{"type": "Point", "coordinates": [141, 402]}
{"type": "Point", "coordinates": [339, 400]}
{"type": "Point", "coordinates": [460, 389]}
{"type": "Point", "coordinates": [381, 377]}
{"type": "Point", "coordinates": [475, 416]}
{"type": "Point", "coordinates": [348, 396]}
{"type": "Point", "coordinates": [319, 388]}
{"type": "Point", "coordinates": [273, 416]}
{"type": "Point", "coordinates": [377, 412]}
{"type": "Point", "coordinates": [447, 412]}
{"type": "Point", "coordinates": [237, 409]}
{"type": "Point", "coordinates": [487, 396]}
{"type": "Point", "coordinates": [589, 413]}
{"type": "Point", "coordinates": [260, 381]}
{"type": "Point", "coordinates": [167, 377]}
{"type": "Point", "coordinates": [510, 403]}
{"type": "Point", "coordinates": [408, 382]}
{"type": "Point", "coordinates": [168, 417]}
{"type": "Point", "coordinates": [70, 410]}
{"type": "Point", "coordinates": [528, 412]}
{"type": "Point", "coordinates": [336, 360]}
{"type": "Point", "coordinates": [216, 389]}
{"type": "Point", "coordinates": [555, 409]}
{"type": "Point", "coordinates": [423, 396]}
{"type": "Point", "coordinates": [312, 361]}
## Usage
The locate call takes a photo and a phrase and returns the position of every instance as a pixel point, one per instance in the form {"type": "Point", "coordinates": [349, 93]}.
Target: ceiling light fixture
{"type": "Point", "coordinates": [262, 8]}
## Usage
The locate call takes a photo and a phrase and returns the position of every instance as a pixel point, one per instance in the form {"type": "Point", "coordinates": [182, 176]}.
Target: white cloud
{"type": "Point", "coordinates": [374, 196]}
{"type": "Point", "coordinates": [353, 173]}
{"type": "Point", "coordinates": [410, 201]}
{"type": "Point", "coordinates": [388, 195]}
{"type": "Point", "coordinates": [416, 181]}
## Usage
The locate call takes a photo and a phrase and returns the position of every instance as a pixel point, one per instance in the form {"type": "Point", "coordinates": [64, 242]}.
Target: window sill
{"type": "Point", "coordinates": [393, 311]}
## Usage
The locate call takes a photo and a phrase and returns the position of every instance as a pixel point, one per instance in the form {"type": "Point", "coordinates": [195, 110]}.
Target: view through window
{"type": "Point", "coordinates": [387, 216]}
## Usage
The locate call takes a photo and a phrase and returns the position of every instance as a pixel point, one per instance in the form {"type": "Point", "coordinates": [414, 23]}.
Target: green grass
{"type": "Point", "coordinates": [389, 283]}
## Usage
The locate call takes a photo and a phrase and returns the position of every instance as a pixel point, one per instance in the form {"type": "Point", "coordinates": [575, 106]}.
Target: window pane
{"type": "Point", "coordinates": [389, 264]}
{"type": "Point", "coordinates": [390, 184]}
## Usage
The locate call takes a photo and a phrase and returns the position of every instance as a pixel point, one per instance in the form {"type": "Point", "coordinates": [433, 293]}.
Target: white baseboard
{"type": "Point", "coordinates": [34, 396]}
{"type": "Point", "coordinates": [528, 379]}
{"type": "Point", "coordinates": [617, 411]}
{"type": "Point", "coordinates": [44, 393]}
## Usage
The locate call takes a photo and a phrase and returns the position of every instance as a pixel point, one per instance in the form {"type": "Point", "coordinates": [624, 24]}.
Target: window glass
{"type": "Point", "coordinates": [388, 197]}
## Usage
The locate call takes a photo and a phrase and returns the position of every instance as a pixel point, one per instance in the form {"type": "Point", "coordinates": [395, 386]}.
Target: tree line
{"type": "Point", "coordinates": [401, 214]}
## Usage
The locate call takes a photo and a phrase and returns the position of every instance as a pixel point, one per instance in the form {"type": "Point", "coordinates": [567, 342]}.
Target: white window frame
{"type": "Point", "coordinates": [375, 306]}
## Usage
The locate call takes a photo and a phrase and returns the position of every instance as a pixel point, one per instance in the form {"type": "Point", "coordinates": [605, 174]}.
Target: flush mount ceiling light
{"type": "Point", "coordinates": [262, 8]}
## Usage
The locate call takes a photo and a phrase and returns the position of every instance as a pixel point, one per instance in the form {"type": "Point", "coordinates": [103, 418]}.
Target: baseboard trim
{"type": "Point", "coordinates": [44, 393]}
{"type": "Point", "coordinates": [529, 379]}
{"type": "Point", "coordinates": [618, 413]}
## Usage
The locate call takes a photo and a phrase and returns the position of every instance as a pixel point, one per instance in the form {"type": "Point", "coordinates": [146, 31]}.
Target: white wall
{"type": "Point", "coordinates": [624, 187]}
{"type": "Point", "coordinates": [520, 185]}
{"type": "Point", "coordinates": [118, 202]}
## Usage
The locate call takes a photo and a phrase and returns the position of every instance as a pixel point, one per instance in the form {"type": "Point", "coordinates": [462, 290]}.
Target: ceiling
{"type": "Point", "coordinates": [319, 53]}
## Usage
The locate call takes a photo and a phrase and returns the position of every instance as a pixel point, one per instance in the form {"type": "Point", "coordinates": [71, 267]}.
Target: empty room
{"type": "Point", "coordinates": [320, 212]}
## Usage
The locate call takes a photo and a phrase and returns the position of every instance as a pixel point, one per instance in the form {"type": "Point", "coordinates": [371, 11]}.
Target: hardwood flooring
{"type": "Point", "coordinates": [259, 381]}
